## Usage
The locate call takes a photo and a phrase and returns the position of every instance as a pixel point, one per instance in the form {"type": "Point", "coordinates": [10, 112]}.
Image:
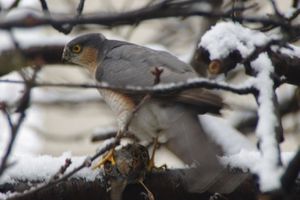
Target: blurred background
{"type": "Point", "coordinates": [65, 119]}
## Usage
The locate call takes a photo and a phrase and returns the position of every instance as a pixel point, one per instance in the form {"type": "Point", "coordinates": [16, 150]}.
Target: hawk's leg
{"type": "Point", "coordinates": [109, 157]}
{"type": "Point", "coordinates": [151, 164]}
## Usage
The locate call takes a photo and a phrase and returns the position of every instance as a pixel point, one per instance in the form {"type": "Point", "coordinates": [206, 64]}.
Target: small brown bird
{"type": "Point", "coordinates": [173, 116]}
{"type": "Point", "coordinates": [131, 165]}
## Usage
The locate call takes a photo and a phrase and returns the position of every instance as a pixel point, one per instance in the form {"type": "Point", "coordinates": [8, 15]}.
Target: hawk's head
{"type": "Point", "coordinates": [84, 50]}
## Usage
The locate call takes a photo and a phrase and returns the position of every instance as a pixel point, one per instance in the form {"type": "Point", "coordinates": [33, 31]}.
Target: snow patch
{"type": "Point", "coordinates": [225, 37]}
{"type": "Point", "coordinates": [250, 160]}
{"type": "Point", "coordinates": [27, 166]}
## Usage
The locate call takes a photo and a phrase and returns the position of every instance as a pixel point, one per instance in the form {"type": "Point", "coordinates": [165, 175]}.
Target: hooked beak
{"type": "Point", "coordinates": [66, 56]}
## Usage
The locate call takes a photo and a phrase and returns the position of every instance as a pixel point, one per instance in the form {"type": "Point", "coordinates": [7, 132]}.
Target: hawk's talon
{"type": "Point", "coordinates": [161, 168]}
{"type": "Point", "coordinates": [151, 164]}
{"type": "Point", "coordinates": [109, 157]}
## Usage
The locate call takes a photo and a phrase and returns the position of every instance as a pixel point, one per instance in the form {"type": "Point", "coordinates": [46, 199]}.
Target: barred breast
{"type": "Point", "coordinates": [121, 105]}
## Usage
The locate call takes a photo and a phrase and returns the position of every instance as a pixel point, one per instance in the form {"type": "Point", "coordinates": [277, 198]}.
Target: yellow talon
{"type": "Point", "coordinates": [109, 157]}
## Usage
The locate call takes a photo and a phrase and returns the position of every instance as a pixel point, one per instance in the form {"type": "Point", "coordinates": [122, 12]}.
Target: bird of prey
{"type": "Point", "coordinates": [172, 116]}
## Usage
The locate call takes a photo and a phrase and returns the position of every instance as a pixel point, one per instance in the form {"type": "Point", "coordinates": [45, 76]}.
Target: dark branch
{"type": "Point", "coordinates": [291, 173]}
{"type": "Point", "coordinates": [163, 9]}
{"type": "Point", "coordinates": [164, 185]}
{"type": "Point", "coordinates": [64, 28]}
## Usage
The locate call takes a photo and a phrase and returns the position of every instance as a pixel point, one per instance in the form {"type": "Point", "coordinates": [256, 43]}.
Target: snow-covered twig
{"type": "Point", "coordinates": [158, 89]}
{"type": "Point", "coordinates": [252, 47]}
{"type": "Point", "coordinates": [62, 169]}
{"type": "Point", "coordinates": [244, 47]}
{"type": "Point", "coordinates": [86, 163]}
{"type": "Point", "coordinates": [268, 126]}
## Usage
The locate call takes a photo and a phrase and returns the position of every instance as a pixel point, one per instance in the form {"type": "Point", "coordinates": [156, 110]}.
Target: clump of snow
{"type": "Point", "coordinates": [27, 166]}
{"type": "Point", "coordinates": [225, 37]}
{"type": "Point", "coordinates": [250, 160]}
{"type": "Point", "coordinates": [245, 160]}
{"type": "Point", "coordinates": [223, 134]}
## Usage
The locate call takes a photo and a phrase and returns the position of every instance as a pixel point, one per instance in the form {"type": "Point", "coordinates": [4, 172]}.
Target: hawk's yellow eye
{"type": "Point", "coordinates": [76, 48]}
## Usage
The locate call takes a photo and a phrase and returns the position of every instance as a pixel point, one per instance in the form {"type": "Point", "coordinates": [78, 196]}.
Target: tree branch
{"type": "Point", "coordinates": [158, 89]}
{"type": "Point", "coordinates": [163, 9]}
{"type": "Point", "coordinates": [169, 184]}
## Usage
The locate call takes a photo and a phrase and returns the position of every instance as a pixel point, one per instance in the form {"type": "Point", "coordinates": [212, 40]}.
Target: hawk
{"type": "Point", "coordinates": [173, 116]}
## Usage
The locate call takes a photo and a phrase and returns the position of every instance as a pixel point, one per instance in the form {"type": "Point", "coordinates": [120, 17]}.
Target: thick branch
{"type": "Point", "coordinates": [164, 185]}
{"type": "Point", "coordinates": [13, 59]}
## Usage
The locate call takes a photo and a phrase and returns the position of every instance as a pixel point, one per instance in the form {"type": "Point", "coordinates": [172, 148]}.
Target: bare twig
{"type": "Point", "coordinates": [64, 28]}
{"type": "Point", "coordinates": [14, 127]}
{"type": "Point", "coordinates": [108, 135]}
{"type": "Point", "coordinates": [14, 5]}
{"type": "Point", "coordinates": [276, 11]}
{"type": "Point", "coordinates": [61, 170]}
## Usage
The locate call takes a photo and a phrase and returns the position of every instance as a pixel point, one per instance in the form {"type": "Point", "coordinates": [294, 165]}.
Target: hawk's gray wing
{"type": "Point", "coordinates": [131, 64]}
{"type": "Point", "coordinates": [128, 64]}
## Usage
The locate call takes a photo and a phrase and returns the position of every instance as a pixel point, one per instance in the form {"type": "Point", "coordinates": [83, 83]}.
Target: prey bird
{"type": "Point", "coordinates": [131, 166]}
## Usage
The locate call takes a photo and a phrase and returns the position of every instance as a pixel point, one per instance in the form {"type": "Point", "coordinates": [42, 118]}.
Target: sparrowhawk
{"type": "Point", "coordinates": [171, 115]}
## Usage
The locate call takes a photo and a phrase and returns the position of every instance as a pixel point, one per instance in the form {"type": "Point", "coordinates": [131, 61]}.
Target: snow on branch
{"type": "Point", "coordinates": [63, 173]}
{"type": "Point", "coordinates": [251, 49]}
{"type": "Point", "coordinates": [45, 165]}
{"type": "Point", "coordinates": [229, 43]}
{"type": "Point", "coordinates": [161, 88]}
